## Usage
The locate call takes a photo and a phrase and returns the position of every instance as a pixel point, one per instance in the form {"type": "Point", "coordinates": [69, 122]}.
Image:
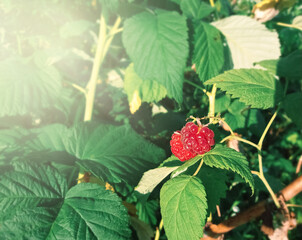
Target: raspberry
{"type": "Point", "coordinates": [178, 149]}
{"type": "Point", "coordinates": [196, 139]}
{"type": "Point", "coordinates": [191, 140]}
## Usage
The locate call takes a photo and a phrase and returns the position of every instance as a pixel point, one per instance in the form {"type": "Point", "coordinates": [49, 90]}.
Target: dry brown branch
{"type": "Point", "coordinates": [213, 231]}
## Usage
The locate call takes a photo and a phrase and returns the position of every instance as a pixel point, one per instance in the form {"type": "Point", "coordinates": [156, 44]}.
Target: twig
{"type": "Point", "coordinates": [250, 214]}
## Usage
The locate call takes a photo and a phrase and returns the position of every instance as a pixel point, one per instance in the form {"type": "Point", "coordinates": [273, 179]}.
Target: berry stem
{"type": "Point", "coordinates": [198, 169]}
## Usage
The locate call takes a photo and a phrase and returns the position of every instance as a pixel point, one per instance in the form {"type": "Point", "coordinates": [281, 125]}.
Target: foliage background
{"type": "Point", "coordinates": [47, 52]}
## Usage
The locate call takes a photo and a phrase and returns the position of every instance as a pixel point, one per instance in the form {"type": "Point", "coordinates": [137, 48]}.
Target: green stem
{"type": "Point", "coordinates": [212, 96]}
{"type": "Point", "coordinates": [103, 45]}
{"type": "Point", "coordinates": [198, 169]}
{"type": "Point", "coordinates": [157, 234]}
{"type": "Point", "coordinates": [260, 163]}
{"type": "Point", "coordinates": [289, 25]}
{"type": "Point", "coordinates": [268, 187]}
{"type": "Point", "coordinates": [267, 128]}
{"type": "Point", "coordinates": [240, 139]}
{"type": "Point", "coordinates": [91, 85]}
{"type": "Point", "coordinates": [76, 86]}
{"type": "Point", "coordinates": [197, 86]}
{"type": "Point", "coordinates": [260, 173]}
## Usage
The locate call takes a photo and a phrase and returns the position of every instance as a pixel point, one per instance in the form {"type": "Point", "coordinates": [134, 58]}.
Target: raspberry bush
{"type": "Point", "coordinates": [94, 97]}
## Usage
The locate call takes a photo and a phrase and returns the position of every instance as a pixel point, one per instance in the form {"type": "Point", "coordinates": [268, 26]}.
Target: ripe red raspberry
{"type": "Point", "coordinates": [191, 140]}
{"type": "Point", "coordinates": [177, 148]}
{"type": "Point", "coordinates": [198, 140]}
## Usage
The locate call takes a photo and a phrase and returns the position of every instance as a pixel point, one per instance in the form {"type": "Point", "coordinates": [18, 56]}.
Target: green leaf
{"type": "Point", "coordinates": [115, 154]}
{"type": "Point", "coordinates": [226, 158]}
{"type": "Point", "coordinates": [146, 211]}
{"type": "Point", "coordinates": [176, 1]}
{"type": "Point", "coordinates": [29, 197]}
{"type": "Point", "coordinates": [290, 66]}
{"type": "Point", "coordinates": [142, 229]}
{"type": "Point", "coordinates": [222, 103]}
{"type": "Point", "coordinates": [11, 140]}
{"type": "Point", "coordinates": [208, 51]}
{"type": "Point", "coordinates": [269, 65]}
{"type": "Point", "coordinates": [249, 40]}
{"type": "Point", "coordinates": [254, 87]}
{"type": "Point", "coordinates": [183, 207]}
{"type": "Point", "coordinates": [172, 161]}
{"type": "Point", "coordinates": [297, 21]}
{"type": "Point", "coordinates": [149, 90]}
{"type": "Point", "coordinates": [185, 166]}
{"type": "Point", "coordinates": [91, 212]}
{"type": "Point", "coordinates": [214, 181]}
{"type": "Point", "coordinates": [152, 178]}
{"type": "Point", "coordinates": [30, 185]}
{"type": "Point", "coordinates": [29, 223]}
{"type": "Point", "coordinates": [35, 204]}
{"type": "Point", "coordinates": [240, 116]}
{"type": "Point", "coordinates": [292, 105]}
{"type": "Point", "coordinates": [50, 137]}
{"type": "Point", "coordinates": [25, 89]}
{"type": "Point", "coordinates": [195, 8]}
{"type": "Point", "coordinates": [157, 45]}
{"type": "Point", "coordinates": [109, 7]}
{"type": "Point", "coordinates": [74, 28]}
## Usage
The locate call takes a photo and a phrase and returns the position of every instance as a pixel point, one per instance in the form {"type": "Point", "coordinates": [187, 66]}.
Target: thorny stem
{"type": "Point", "coordinates": [103, 45]}
{"type": "Point", "coordinates": [197, 170]}
{"type": "Point", "coordinates": [239, 139]}
{"type": "Point", "coordinates": [268, 187]}
{"type": "Point", "coordinates": [157, 234]}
